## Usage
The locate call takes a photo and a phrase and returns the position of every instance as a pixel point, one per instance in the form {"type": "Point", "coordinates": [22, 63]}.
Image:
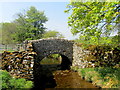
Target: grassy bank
{"type": "Point", "coordinates": [9, 82]}
{"type": "Point", "coordinates": [105, 77]}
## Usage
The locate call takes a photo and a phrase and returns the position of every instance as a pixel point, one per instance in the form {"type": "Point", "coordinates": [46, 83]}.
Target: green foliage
{"type": "Point", "coordinates": [30, 25]}
{"type": "Point", "coordinates": [13, 83]}
{"type": "Point", "coordinates": [51, 59]}
{"type": "Point", "coordinates": [7, 31]}
{"type": "Point", "coordinates": [104, 71]}
{"type": "Point", "coordinates": [20, 83]}
{"type": "Point", "coordinates": [105, 77]}
{"type": "Point", "coordinates": [5, 75]}
{"type": "Point", "coordinates": [17, 83]}
{"type": "Point", "coordinates": [54, 56]}
{"type": "Point", "coordinates": [93, 20]}
{"type": "Point", "coordinates": [50, 34]}
{"type": "Point", "coordinates": [82, 73]}
{"type": "Point", "coordinates": [5, 78]}
{"type": "Point", "coordinates": [115, 40]}
{"type": "Point", "coordinates": [109, 41]}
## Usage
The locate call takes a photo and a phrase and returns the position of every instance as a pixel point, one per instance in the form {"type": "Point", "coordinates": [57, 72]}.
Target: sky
{"type": "Point", "coordinates": [54, 10]}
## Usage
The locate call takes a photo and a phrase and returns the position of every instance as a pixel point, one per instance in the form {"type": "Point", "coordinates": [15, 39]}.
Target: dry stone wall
{"type": "Point", "coordinates": [105, 56]}
{"type": "Point", "coordinates": [20, 63]}
{"type": "Point", "coordinates": [95, 56]}
{"type": "Point", "coordinates": [79, 57]}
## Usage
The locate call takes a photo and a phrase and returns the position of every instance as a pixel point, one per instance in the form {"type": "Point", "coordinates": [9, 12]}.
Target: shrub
{"type": "Point", "coordinates": [103, 71]}
{"type": "Point", "coordinates": [20, 83]}
{"type": "Point", "coordinates": [5, 76]}
{"type": "Point", "coordinates": [13, 83]}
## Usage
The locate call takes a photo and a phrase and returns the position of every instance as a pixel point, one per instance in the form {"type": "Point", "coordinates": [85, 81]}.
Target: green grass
{"type": "Point", "coordinates": [105, 77]}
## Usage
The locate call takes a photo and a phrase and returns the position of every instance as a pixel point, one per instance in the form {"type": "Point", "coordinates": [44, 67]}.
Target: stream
{"type": "Point", "coordinates": [70, 79]}
{"type": "Point", "coordinates": [53, 77]}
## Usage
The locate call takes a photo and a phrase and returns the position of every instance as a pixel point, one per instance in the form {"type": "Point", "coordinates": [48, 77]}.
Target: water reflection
{"type": "Point", "coordinates": [47, 77]}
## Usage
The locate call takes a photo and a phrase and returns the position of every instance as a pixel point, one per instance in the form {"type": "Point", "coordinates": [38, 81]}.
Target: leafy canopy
{"type": "Point", "coordinates": [30, 25]}
{"type": "Point", "coordinates": [49, 34]}
{"type": "Point", "coordinates": [7, 30]}
{"type": "Point", "coordinates": [93, 19]}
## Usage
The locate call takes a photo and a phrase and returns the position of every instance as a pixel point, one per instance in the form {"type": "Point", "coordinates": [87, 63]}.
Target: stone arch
{"type": "Point", "coordinates": [45, 47]}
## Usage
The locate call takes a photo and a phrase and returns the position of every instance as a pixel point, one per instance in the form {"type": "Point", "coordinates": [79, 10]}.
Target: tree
{"type": "Point", "coordinates": [7, 30]}
{"type": "Point", "coordinates": [93, 20]}
{"type": "Point", "coordinates": [50, 34]}
{"type": "Point", "coordinates": [30, 25]}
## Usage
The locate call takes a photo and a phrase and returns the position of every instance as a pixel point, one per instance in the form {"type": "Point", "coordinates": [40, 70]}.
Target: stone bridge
{"type": "Point", "coordinates": [71, 53]}
{"type": "Point", "coordinates": [28, 63]}
{"type": "Point", "coordinates": [45, 47]}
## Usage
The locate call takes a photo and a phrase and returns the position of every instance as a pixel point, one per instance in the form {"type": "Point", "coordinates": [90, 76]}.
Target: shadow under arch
{"type": "Point", "coordinates": [45, 78]}
{"type": "Point", "coordinates": [66, 63]}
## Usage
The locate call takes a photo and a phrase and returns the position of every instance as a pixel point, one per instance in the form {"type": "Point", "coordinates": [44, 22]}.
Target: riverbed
{"type": "Point", "coordinates": [56, 78]}
{"type": "Point", "coordinates": [70, 79]}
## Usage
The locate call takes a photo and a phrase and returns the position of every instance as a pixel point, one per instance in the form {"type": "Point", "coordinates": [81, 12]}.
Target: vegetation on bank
{"type": "Point", "coordinates": [12, 83]}
{"type": "Point", "coordinates": [105, 77]}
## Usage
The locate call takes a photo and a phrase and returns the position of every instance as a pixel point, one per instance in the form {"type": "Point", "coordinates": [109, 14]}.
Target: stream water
{"type": "Point", "coordinates": [70, 79]}
{"type": "Point", "coordinates": [63, 78]}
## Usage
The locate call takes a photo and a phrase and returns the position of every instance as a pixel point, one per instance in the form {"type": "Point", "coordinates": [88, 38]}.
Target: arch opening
{"type": "Point", "coordinates": [48, 65]}
{"type": "Point", "coordinates": [51, 59]}
{"type": "Point", "coordinates": [59, 61]}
